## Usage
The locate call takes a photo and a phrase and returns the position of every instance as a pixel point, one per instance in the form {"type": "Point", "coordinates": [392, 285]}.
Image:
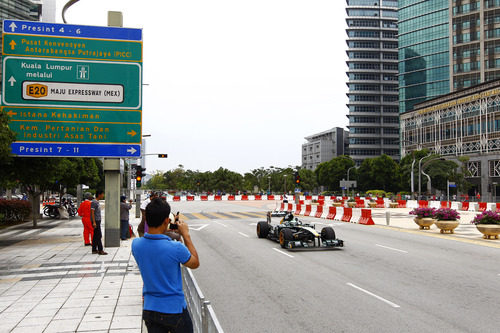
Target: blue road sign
{"type": "Point", "coordinates": [75, 150]}
{"type": "Point", "coordinates": [70, 30]}
{"type": "Point", "coordinates": [453, 185]}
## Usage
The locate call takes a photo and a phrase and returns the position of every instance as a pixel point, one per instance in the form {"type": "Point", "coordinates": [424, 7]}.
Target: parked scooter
{"type": "Point", "coordinates": [51, 211]}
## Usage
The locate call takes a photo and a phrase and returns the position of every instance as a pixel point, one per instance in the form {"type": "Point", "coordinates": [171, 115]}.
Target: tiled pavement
{"type": "Point", "coordinates": [50, 282]}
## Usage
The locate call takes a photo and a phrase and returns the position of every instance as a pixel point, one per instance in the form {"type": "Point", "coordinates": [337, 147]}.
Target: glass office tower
{"type": "Point", "coordinates": [446, 45]}
{"type": "Point", "coordinates": [423, 51]}
{"type": "Point", "coordinates": [372, 78]}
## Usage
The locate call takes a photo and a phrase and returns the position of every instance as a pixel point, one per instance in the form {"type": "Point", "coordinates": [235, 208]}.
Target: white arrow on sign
{"type": "Point", "coordinates": [13, 27]}
{"type": "Point", "coordinates": [200, 226]}
{"type": "Point", "coordinates": [12, 81]}
{"type": "Point", "coordinates": [131, 150]}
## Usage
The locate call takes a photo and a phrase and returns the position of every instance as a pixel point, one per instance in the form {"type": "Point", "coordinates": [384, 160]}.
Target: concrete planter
{"type": "Point", "coordinates": [489, 231]}
{"type": "Point", "coordinates": [424, 223]}
{"type": "Point", "coordinates": [447, 226]}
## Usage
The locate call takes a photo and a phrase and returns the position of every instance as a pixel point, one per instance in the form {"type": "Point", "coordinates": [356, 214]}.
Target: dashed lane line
{"type": "Point", "coordinates": [244, 235]}
{"type": "Point", "coordinates": [391, 248]}
{"type": "Point", "coordinates": [394, 305]}
{"type": "Point", "coordinates": [282, 252]}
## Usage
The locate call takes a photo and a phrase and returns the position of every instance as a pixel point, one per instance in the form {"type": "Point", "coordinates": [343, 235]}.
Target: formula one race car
{"type": "Point", "coordinates": [292, 233]}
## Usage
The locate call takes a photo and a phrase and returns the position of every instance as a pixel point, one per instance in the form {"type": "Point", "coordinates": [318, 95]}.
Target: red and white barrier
{"type": "Point", "coordinates": [356, 215]}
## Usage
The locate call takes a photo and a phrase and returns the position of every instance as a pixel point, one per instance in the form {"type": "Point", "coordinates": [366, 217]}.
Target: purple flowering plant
{"type": "Point", "coordinates": [423, 212]}
{"type": "Point", "coordinates": [487, 217]}
{"type": "Point", "coordinates": [447, 214]}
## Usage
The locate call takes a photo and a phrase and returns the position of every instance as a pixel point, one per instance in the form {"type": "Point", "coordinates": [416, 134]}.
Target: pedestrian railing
{"type": "Point", "coordinates": [202, 313]}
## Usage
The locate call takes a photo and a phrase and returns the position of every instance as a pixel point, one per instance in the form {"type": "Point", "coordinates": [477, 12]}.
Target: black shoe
{"type": "Point", "coordinates": [89, 244]}
{"type": "Point", "coordinates": [95, 252]}
{"type": "Point", "coordinates": [102, 253]}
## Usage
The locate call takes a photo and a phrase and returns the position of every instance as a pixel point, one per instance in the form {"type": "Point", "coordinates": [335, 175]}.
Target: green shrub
{"type": "Point", "coordinates": [377, 193]}
{"type": "Point", "coordinates": [14, 210]}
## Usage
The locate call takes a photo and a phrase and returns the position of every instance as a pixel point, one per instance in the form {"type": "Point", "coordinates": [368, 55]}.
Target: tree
{"type": "Point", "coordinates": [6, 138]}
{"type": "Point", "coordinates": [329, 174]}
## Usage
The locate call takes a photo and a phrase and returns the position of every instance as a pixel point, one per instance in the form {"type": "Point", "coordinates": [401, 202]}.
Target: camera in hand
{"type": "Point", "coordinates": [173, 225]}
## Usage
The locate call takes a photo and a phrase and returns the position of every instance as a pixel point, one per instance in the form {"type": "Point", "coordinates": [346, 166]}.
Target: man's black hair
{"type": "Point", "coordinates": [98, 192]}
{"type": "Point", "coordinates": [156, 212]}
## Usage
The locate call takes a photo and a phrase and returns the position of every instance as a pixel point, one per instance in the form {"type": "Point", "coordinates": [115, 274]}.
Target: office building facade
{"type": "Point", "coordinates": [445, 46]}
{"type": "Point", "coordinates": [423, 51]}
{"type": "Point", "coordinates": [372, 43]}
{"type": "Point", "coordinates": [462, 123]}
{"type": "Point", "coordinates": [324, 146]}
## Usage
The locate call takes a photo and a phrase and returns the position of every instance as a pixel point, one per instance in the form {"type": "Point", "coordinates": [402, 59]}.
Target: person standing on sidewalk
{"type": "Point", "coordinates": [159, 259]}
{"type": "Point", "coordinates": [84, 212]}
{"type": "Point", "coordinates": [142, 228]}
{"type": "Point", "coordinates": [95, 209]}
{"type": "Point", "coordinates": [124, 215]}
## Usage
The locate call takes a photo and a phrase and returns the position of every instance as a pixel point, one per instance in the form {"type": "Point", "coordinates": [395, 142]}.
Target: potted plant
{"type": "Point", "coordinates": [393, 203]}
{"type": "Point", "coordinates": [372, 203]}
{"type": "Point", "coordinates": [488, 223]}
{"type": "Point", "coordinates": [351, 203]}
{"type": "Point", "coordinates": [447, 219]}
{"type": "Point", "coordinates": [424, 217]}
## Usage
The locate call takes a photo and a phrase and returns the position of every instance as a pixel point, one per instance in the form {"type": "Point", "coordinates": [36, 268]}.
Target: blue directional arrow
{"type": "Point", "coordinates": [75, 150]}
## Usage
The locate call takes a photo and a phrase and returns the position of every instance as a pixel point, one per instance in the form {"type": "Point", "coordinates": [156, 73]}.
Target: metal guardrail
{"type": "Point", "coordinates": [202, 312]}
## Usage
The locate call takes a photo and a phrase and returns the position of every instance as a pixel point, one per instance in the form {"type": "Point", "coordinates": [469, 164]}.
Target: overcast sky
{"type": "Point", "coordinates": [232, 83]}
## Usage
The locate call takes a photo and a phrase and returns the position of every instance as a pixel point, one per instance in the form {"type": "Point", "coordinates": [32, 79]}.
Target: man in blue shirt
{"type": "Point", "coordinates": [159, 259]}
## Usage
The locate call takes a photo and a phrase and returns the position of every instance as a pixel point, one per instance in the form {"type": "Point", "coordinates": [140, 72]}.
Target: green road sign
{"type": "Point", "coordinates": [71, 83]}
{"type": "Point", "coordinates": [71, 48]}
{"type": "Point", "coordinates": [73, 115]}
{"type": "Point", "coordinates": [73, 132]}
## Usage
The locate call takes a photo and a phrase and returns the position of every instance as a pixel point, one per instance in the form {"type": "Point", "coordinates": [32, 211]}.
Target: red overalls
{"type": "Point", "coordinates": [88, 229]}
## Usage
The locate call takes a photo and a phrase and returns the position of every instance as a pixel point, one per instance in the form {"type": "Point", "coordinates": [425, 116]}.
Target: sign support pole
{"type": "Point", "coordinates": [112, 178]}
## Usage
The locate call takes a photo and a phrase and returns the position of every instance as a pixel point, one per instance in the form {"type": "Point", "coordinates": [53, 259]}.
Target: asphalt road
{"type": "Point", "coordinates": [382, 280]}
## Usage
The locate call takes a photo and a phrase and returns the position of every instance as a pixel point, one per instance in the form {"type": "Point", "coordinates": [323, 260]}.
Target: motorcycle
{"type": "Point", "coordinates": [70, 207]}
{"type": "Point", "coordinates": [51, 211]}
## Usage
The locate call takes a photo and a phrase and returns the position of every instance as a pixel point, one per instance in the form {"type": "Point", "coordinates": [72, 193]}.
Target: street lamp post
{"type": "Point", "coordinates": [420, 175]}
{"type": "Point", "coordinates": [412, 181]}
{"type": "Point", "coordinates": [421, 171]}
{"type": "Point", "coordinates": [269, 185]}
{"type": "Point", "coordinates": [348, 180]}
{"type": "Point", "coordinates": [285, 183]}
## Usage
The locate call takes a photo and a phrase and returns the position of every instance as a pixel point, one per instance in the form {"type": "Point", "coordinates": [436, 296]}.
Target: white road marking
{"type": "Point", "coordinates": [253, 223]}
{"type": "Point", "coordinates": [391, 248]}
{"type": "Point", "coordinates": [394, 305]}
{"type": "Point", "coordinates": [244, 235]}
{"type": "Point", "coordinates": [288, 255]}
{"type": "Point", "coordinates": [200, 226]}
{"type": "Point", "coordinates": [222, 224]}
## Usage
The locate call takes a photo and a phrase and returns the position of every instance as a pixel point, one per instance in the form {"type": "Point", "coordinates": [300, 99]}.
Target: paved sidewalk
{"type": "Point", "coordinates": [50, 281]}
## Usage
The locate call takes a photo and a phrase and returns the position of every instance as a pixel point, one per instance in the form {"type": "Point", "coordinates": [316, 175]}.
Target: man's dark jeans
{"type": "Point", "coordinates": [163, 322]}
{"type": "Point", "coordinates": [97, 238]}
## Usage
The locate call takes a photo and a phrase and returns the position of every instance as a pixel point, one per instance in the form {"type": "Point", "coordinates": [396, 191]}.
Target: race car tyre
{"type": "Point", "coordinates": [327, 233]}
{"type": "Point", "coordinates": [263, 229]}
{"type": "Point", "coordinates": [286, 235]}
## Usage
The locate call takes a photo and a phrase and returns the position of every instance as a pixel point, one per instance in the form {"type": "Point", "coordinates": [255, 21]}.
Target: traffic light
{"type": "Point", "coordinates": [297, 178]}
{"type": "Point", "coordinates": [139, 174]}
{"type": "Point", "coordinates": [162, 155]}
